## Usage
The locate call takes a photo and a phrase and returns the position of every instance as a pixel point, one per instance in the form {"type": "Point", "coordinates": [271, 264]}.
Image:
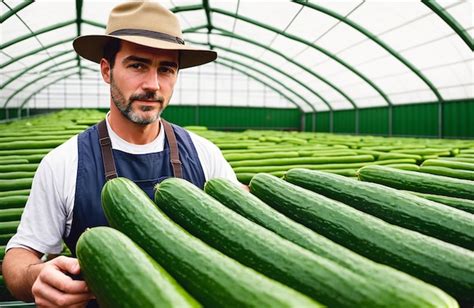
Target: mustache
{"type": "Point", "coordinates": [147, 96]}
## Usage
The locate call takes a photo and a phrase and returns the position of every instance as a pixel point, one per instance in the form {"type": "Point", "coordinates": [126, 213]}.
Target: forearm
{"type": "Point", "coordinates": [20, 269]}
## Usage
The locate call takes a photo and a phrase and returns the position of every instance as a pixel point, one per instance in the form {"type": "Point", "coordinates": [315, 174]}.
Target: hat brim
{"type": "Point", "coordinates": [91, 47]}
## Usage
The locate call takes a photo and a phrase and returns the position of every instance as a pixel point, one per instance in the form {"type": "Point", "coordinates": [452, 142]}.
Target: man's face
{"type": "Point", "coordinates": [142, 81]}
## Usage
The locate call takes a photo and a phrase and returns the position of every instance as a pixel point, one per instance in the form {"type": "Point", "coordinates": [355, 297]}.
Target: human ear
{"type": "Point", "coordinates": [105, 70]}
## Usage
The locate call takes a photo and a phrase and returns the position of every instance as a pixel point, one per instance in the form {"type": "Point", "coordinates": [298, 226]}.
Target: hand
{"type": "Point", "coordinates": [54, 288]}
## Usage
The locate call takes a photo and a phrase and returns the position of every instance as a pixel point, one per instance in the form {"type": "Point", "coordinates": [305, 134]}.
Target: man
{"type": "Point", "coordinates": [139, 57]}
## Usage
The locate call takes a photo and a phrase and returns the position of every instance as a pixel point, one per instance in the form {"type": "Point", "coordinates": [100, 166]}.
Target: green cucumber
{"type": "Point", "coordinates": [261, 249]}
{"type": "Point", "coordinates": [15, 184]}
{"type": "Point", "coordinates": [66, 136]}
{"type": "Point", "coordinates": [449, 172]}
{"type": "Point", "coordinates": [392, 155]}
{"type": "Point", "coordinates": [422, 152]}
{"type": "Point", "coordinates": [2, 252]}
{"type": "Point", "coordinates": [8, 226]}
{"type": "Point", "coordinates": [302, 160]}
{"type": "Point", "coordinates": [393, 206]}
{"type": "Point", "coordinates": [14, 201]}
{"type": "Point", "coordinates": [17, 175]}
{"type": "Point", "coordinates": [18, 167]}
{"type": "Point", "coordinates": [17, 145]}
{"type": "Point", "coordinates": [459, 203]}
{"type": "Point", "coordinates": [244, 178]}
{"type": "Point", "coordinates": [21, 192]}
{"type": "Point", "coordinates": [208, 275]}
{"type": "Point", "coordinates": [4, 162]}
{"type": "Point", "coordinates": [417, 181]}
{"type": "Point", "coordinates": [10, 214]}
{"type": "Point", "coordinates": [397, 289]}
{"type": "Point", "coordinates": [4, 238]}
{"type": "Point", "coordinates": [458, 158]}
{"type": "Point", "coordinates": [121, 274]}
{"type": "Point", "coordinates": [411, 167]}
{"type": "Point", "coordinates": [24, 152]}
{"type": "Point", "coordinates": [439, 263]}
{"type": "Point", "coordinates": [251, 156]}
{"type": "Point", "coordinates": [448, 164]}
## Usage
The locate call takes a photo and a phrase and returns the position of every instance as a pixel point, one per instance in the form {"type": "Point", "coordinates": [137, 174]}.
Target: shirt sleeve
{"type": "Point", "coordinates": [212, 160]}
{"type": "Point", "coordinates": [44, 218]}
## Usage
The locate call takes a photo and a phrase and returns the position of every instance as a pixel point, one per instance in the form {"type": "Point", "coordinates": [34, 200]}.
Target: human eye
{"type": "Point", "coordinates": [137, 66]}
{"type": "Point", "coordinates": [166, 70]}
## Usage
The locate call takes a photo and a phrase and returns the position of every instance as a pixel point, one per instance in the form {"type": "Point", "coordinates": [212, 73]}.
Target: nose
{"type": "Point", "coordinates": [151, 81]}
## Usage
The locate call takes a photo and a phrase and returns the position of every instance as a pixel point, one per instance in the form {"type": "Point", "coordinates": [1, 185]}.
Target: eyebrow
{"type": "Point", "coordinates": [148, 61]}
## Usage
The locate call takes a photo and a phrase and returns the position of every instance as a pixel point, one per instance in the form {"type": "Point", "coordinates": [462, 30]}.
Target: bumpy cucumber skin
{"type": "Point", "coordinates": [417, 181]}
{"type": "Point", "coordinates": [395, 207]}
{"type": "Point", "coordinates": [121, 274]}
{"type": "Point", "coordinates": [214, 279]}
{"type": "Point", "coordinates": [261, 249]}
{"type": "Point", "coordinates": [452, 173]}
{"type": "Point", "coordinates": [398, 289]}
{"type": "Point", "coordinates": [447, 266]}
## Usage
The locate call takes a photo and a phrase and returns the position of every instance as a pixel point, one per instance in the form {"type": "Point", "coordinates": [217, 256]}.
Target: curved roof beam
{"type": "Point", "coordinates": [376, 40]}
{"type": "Point", "coordinates": [303, 41]}
{"type": "Point", "coordinates": [40, 31]}
{"type": "Point", "coordinates": [260, 81]}
{"type": "Point", "coordinates": [45, 86]}
{"type": "Point", "coordinates": [13, 11]}
{"type": "Point", "coordinates": [34, 52]}
{"type": "Point", "coordinates": [271, 78]}
{"type": "Point", "coordinates": [452, 22]}
{"type": "Point", "coordinates": [32, 67]}
{"type": "Point", "coordinates": [33, 81]}
{"type": "Point", "coordinates": [235, 36]}
{"type": "Point", "coordinates": [268, 65]}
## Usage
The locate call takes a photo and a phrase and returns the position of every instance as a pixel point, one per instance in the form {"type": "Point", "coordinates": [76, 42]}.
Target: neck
{"type": "Point", "coordinates": [132, 132]}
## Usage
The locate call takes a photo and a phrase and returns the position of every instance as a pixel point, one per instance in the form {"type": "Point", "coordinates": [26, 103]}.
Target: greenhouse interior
{"type": "Point", "coordinates": [320, 153]}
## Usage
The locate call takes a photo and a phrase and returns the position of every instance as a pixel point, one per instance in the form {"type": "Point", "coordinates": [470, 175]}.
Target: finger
{"type": "Point", "coordinates": [66, 264]}
{"type": "Point", "coordinates": [60, 281]}
{"type": "Point", "coordinates": [47, 296]}
{"type": "Point", "coordinates": [51, 297]}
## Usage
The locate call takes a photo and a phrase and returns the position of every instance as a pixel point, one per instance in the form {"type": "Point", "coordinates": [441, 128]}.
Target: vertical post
{"type": "Point", "coordinates": [331, 121]}
{"type": "Point", "coordinates": [390, 120]}
{"type": "Point", "coordinates": [357, 121]}
{"type": "Point", "coordinates": [440, 119]}
{"type": "Point", "coordinates": [313, 126]}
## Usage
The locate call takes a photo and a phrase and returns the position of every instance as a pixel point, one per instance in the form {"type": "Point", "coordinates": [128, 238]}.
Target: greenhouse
{"type": "Point", "coordinates": [330, 144]}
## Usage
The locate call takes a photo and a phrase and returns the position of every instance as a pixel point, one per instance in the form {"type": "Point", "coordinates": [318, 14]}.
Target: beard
{"type": "Point", "coordinates": [145, 114]}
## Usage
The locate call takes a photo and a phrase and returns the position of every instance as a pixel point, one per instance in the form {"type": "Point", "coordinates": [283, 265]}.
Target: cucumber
{"type": "Point", "coordinates": [18, 167]}
{"type": "Point", "coordinates": [439, 263]}
{"type": "Point", "coordinates": [4, 238]}
{"type": "Point", "coordinates": [2, 252]}
{"type": "Point", "coordinates": [261, 249]}
{"type": "Point", "coordinates": [21, 192]}
{"type": "Point", "coordinates": [208, 275]}
{"type": "Point", "coordinates": [462, 204]}
{"type": "Point", "coordinates": [15, 184]}
{"type": "Point", "coordinates": [302, 160]}
{"type": "Point", "coordinates": [7, 202]}
{"type": "Point", "coordinates": [392, 155]}
{"type": "Point", "coordinates": [397, 289]}
{"type": "Point", "coordinates": [449, 172]}
{"type": "Point", "coordinates": [422, 152]}
{"type": "Point", "coordinates": [244, 178]}
{"type": "Point", "coordinates": [393, 206]}
{"type": "Point", "coordinates": [417, 181]}
{"type": "Point", "coordinates": [10, 214]}
{"type": "Point", "coordinates": [410, 167]}
{"type": "Point", "coordinates": [252, 156]}
{"type": "Point", "coordinates": [17, 175]}
{"type": "Point", "coordinates": [24, 152]}
{"type": "Point", "coordinates": [17, 145]}
{"type": "Point", "coordinates": [66, 136]}
{"type": "Point", "coordinates": [121, 274]}
{"type": "Point", "coordinates": [4, 162]}
{"type": "Point", "coordinates": [458, 158]}
{"type": "Point", "coordinates": [449, 164]}
{"type": "Point", "coordinates": [8, 226]}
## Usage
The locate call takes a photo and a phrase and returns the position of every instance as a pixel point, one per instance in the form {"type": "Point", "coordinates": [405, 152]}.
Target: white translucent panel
{"type": "Point", "coordinates": [221, 40]}
{"type": "Point", "coordinates": [13, 28]}
{"type": "Point", "coordinates": [273, 13]}
{"type": "Point", "coordinates": [87, 29]}
{"type": "Point", "coordinates": [224, 22]}
{"type": "Point", "coordinates": [454, 74]}
{"type": "Point", "coordinates": [462, 12]}
{"type": "Point", "coordinates": [22, 47]}
{"type": "Point", "coordinates": [341, 7]}
{"type": "Point", "coordinates": [458, 91]}
{"type": "Point", "coordinates": [381, 16]}
{"type": "Point", "coordinates": [366, 103]}
{"type": "Point", "coordinates": [285, 46]}
{"type": "Point", "coordinates": [405, 98]}
{"type": "Point", "coordinates": [57, 12]}
{"type": "Point", "coordinates": [340, 105]}
{"type": "Point", "coordinates": [97, 11]}
{"type": "Point", "coordinates": [364, 52]}
{"type": "Point", "coordinates": [249, 30]}
{"type": "Point", "coordinates": [192, 19]}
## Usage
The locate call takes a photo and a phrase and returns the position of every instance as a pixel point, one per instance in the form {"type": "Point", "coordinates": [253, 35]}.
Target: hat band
{"type": "Point", "coordinates": [148, 33]}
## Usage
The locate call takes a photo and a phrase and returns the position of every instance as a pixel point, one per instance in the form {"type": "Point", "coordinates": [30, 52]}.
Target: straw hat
{"type": "Point", "coordinates": [145, 23]}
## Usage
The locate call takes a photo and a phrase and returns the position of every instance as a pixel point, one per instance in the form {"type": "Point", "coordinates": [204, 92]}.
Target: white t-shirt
{"type": "Point", "coordinates": [47, 217]}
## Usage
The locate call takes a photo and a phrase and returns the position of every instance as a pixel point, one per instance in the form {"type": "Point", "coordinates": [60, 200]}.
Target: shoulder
{"type": "Point", "coordinates": [63, 154]}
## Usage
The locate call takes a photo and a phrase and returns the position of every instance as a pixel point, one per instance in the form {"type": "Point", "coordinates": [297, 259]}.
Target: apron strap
{"type": "Point", "coordinates": [106, 148]}
{"type": "Point", "coordinates": [174, 152]}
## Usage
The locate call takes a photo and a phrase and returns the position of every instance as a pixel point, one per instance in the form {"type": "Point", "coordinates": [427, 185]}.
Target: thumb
{"type": "Point", "coordinates": [67, 264]}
